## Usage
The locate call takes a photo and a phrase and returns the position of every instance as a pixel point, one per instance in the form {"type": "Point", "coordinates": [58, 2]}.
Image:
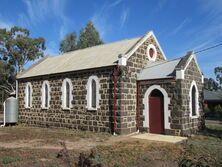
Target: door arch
{"type": "Point", "coordinates": [156, 112]}
{"type": "Point", "coordinates": [166, 102]}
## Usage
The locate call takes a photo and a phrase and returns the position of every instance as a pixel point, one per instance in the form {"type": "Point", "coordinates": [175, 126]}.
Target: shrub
{"type": "Point", "coordinates": [218, 108]}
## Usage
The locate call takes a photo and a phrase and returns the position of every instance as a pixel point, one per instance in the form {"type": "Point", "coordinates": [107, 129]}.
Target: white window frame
{"type": "Point", "coordinates": [64, 107]}
{"type": "Point", "coordinates": [43, 94]}
{"type": "Point", "coordinates": [89, 93]}
{"type": "Point", "coordinates": [26, 95]}
{"type": "Point", "coordinates": [197, 100]}
{"type": "Point", "coordinates": [151, 46]}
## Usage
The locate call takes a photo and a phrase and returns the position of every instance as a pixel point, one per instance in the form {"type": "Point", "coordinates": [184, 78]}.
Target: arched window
{"type": "Point", "coordinates": [67, 94]}
{"type": "Point", "coordinates": [194, 112]}
{"type": "Point", "coordinates": [194, 100]}
{"type": "Point", "coordinates": [28, 95]}
{"type": "Point", "coordinates": [93, 95]}
{"type": "Point", "coordinates": [45, 94]}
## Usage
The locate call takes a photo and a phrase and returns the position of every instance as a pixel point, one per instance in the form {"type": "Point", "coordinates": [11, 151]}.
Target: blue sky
{"type": "Point", "coordinates": [179, 25]}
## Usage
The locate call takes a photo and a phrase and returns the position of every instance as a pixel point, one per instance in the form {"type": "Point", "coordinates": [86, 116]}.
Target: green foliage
{"type": "Point", "coordinates": [17, 47]}
{"type": "Point", "coordinates": [218, 73]}
{"type": "Point", "coordinates": [88, 37]}
{"type": "Point", "coordinates": [8, 160]}
{"type": "Point", "coordinates": [211, 84]}
{"type": "Point", "coordinates": [218, 108]}
{"type": "Point", "coordinates": [69, 43]}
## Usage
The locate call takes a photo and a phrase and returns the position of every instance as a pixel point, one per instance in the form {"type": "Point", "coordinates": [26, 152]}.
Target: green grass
{"type": "Point", "coordinates": [8, 159]}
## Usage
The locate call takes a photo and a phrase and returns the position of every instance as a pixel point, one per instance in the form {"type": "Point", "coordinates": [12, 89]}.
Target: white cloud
{"type": "Point", "coordinates": [115, 3]}
{"type": "Point", "coordinates": [124, 16]}
{"type": "Point", "coordinates": [102, 16]}
{"type": "Point", "coordinates": [179, 27]}
{"type": "Point", "coordinates": [41, 10]}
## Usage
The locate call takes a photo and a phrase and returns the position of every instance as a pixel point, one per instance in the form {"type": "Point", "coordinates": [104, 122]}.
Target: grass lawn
{"type": "Point", "coordinates": [28, 146]}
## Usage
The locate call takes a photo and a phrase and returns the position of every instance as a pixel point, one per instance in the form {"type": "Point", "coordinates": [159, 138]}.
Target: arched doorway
{"type": "Point", "coordinates": [156, 112]}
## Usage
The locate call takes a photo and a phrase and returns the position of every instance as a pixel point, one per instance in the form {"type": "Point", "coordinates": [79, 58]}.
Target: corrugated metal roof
{"type": "Point", "coordinates": [212, 95]}
{"type": "Point", "coordinates": [160, 69]}
{"type": "Point", "coordinates": [97, 56]}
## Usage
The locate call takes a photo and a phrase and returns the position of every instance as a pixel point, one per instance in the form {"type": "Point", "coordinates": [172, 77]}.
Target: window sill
{"type": "Point", "coordinates": [194, 117]}
{"type": "Point", "coordinates": [91, 109]}
{"type": "Point", "coordinates": [45, 108]}
{"type": "Point", "coordinates": [67, 109]}
{"type": "Point", "coordinates": [28, 108]}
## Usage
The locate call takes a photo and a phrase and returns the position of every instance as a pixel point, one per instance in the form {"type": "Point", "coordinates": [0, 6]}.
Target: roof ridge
{"type": "Point", "coordinates": [78, 50]}
{"type": "Point", "coordinates": [161, 62]}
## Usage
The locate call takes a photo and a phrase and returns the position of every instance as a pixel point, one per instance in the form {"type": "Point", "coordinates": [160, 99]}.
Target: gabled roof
{"type": "Point", "coordinates": [89, 58]}
{"type": "Point", "coordinates": [159, 70]}
{"type": "Point", "coordinates": [93, 57]}
{"type": "Point", "coordinates": [212, 95]}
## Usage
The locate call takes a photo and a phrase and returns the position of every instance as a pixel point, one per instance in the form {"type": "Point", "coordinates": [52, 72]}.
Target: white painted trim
{"type": "Point", "coordinates": [89, 93]}
{"type": "Point", "coordinates": [43, 94]}
{"type": "Point", "coordinates": [142, 40]}
{"type": "Point", "coordinates": [166, 106]}
{"type": "Point", "coordinates": [151, 46]}
{"type": "Point", "coordinates": [26, 95]}
{"type": "Point", "coordinates": [64, 94]}
{"type": "Point", "coordinates": [180, 74]}
{"type": "Point", "coordinates": [202, 79]}
{"type": "Point", "coordinates": [193, 56]}
{"type": "Point", "coordinates": [197, 100]}
{"type": "Point", "coordinates": [122, 60]}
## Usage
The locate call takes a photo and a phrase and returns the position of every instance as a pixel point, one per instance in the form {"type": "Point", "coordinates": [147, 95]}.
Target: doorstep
{"type": "Point", "coordinates": [160, 138]}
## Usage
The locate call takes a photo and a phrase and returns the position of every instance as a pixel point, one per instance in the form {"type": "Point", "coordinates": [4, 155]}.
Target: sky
{"type": "Point", "coordinates": [179, 26]}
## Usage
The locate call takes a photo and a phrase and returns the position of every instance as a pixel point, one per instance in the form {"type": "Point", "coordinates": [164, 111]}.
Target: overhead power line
{"type": "Point", "coordinates": [212, 47]}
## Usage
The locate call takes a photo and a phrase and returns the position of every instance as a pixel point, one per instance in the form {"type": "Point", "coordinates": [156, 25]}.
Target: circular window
{"type": "Point", "coordinates": [151, 52]}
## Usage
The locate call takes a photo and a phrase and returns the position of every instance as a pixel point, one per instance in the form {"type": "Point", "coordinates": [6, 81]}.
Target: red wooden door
{"type": "Point", "coordinates": [156, 115]}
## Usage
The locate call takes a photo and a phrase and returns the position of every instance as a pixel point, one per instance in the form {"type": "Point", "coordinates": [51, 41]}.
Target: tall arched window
{"type": "Point", "coordinates": [194, 100]}
{"type": "Point", "coordinates": [45, 94]}
{"type": "Point", "coordinates": [67, 94]}
{"type": "Point", "coordinates": [28, 95]}
{"type": "Point", "coordinates": [93, 95]}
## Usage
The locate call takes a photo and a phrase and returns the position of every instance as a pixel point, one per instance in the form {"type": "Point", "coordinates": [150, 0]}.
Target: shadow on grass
{"type": "Point", "coordinates": [213, 131]}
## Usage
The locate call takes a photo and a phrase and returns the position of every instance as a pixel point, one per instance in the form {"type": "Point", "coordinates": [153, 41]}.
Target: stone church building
{"type": "Point", "coordinates": [120, 87]}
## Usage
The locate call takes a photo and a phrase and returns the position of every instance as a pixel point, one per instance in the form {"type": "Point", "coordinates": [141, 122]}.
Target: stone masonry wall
{"type": "Point", "coordinates": [127, 91]}
{"type": "Point", "coordinates": [190, 125]}
{"type": "Point", "coordinates": [178, 91]}
{"type": "Point", "coordinates": [78, 117]}
{"type": "Point", "coordinates": [173, 89]}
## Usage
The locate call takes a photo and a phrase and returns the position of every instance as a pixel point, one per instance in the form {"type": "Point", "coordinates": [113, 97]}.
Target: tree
{"type": "Point", "coordinates": [89, 37]}
{"type": "Point", "coordinates": [69, 43]}
{"type": "Point", "coordinates": [211, 84]}
{"type": "Point", "coordinates": [218, 73]}
{"type": "Point", "coordinates": [16, 49]}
